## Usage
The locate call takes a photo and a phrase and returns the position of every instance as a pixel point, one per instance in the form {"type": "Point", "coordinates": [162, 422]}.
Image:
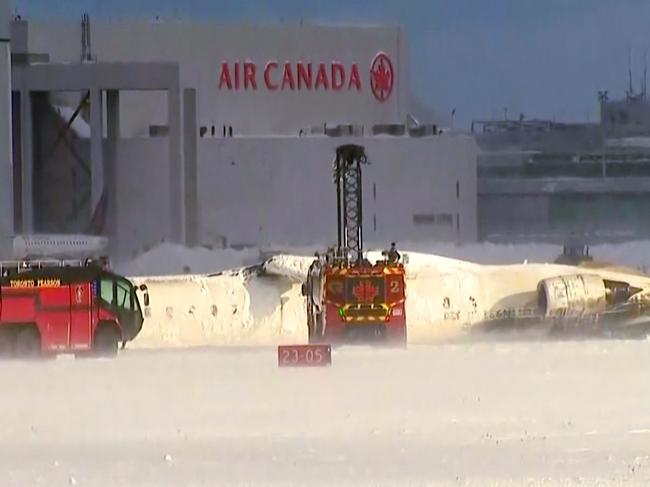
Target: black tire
{"type": "Point", "coordinates": [28, 343]}
{"type": "Point", "coordinates": [106, 341]}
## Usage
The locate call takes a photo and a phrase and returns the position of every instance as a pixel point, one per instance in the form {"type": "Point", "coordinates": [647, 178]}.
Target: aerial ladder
{"type": "Point", "coordinates": [350, 299]}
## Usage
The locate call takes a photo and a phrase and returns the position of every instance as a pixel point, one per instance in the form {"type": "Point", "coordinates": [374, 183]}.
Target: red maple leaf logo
{"type": "Point", "coordinates": [365, 292]}
{"type": "Point", "coordinates": [381, 76]}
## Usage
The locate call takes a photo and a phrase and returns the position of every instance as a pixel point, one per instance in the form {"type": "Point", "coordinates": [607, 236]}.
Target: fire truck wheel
{"type": "Point", "coordinates": [106, 340]}
{"type": "Point", "coordinates": [28, 343]}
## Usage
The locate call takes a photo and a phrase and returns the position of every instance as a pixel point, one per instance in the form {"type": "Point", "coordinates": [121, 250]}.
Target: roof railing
{"type": "Point", "coordinates": [20, 266]}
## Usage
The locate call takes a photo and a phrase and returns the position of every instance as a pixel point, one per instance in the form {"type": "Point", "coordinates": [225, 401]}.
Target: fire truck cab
{"type": "Point", "coordinates": [50, 307]}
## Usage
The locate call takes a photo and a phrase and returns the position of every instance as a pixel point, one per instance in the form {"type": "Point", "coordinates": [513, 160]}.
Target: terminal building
{"type": "Point", "coordinates": [540, 180]}
{"type": "Point", "coordinates": [219, 135]}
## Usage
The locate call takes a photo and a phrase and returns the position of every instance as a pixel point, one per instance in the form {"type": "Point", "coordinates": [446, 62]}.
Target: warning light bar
{"type": "Point", "coordinates": [304, 355]}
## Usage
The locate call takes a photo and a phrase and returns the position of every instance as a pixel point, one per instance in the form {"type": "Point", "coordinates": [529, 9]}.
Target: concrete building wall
{"type": "Point", "coordinates": [280, 190]}
{"type": "Point", "coordinates": [508, 216]}
{"type": "Point", "coordinates": [201, 49]}
{"type": "Point", "coordinates": [627, 117]}
{"type": "Point", "coordinates": [261, 191]}
{"type": "Point", "coordinates": [275, 188]}
{"type": "Point", "coordinates": [142, 205]}
{"type": "Point", "coordinates": [6, 166]}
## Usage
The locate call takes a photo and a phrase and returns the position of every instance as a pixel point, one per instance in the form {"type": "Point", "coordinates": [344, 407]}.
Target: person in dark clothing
{"type": "Point", "coordinates": [393, 255]}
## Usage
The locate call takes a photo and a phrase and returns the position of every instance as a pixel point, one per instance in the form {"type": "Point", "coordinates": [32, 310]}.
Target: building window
{"type": "Point", "coordinates": [438, 219]}
{"type": "Point", "coordinates": [424, 219]}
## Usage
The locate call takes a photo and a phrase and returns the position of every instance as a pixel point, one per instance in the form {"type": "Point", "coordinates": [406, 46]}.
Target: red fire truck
{"type": "Point", "coordinates": [362, 303]}
{"type": "Point", "coordinates": [49, 307]}
{"type": "Point", "coordinates": [350, 299]}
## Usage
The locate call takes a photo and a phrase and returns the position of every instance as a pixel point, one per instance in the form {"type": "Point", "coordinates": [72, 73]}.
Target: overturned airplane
{"type": "Point", "coordinates": [449, 298]}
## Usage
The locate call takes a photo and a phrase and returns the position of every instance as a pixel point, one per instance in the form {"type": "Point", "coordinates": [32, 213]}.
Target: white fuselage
{"type": "Point", "coordinates": [448, 297]}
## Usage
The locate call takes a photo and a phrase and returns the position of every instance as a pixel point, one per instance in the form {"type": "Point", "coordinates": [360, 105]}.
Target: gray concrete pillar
{"type": "Point", "coordinates": [96, 151]}
{"type": "Point", "coordinates": [6, 166]}
{"type": "Point", "coordinates": [110, 164]}
{"type": "Point", "coordinates": [176, 198]}
{"type": "Point", "coordinates": [191, 170]}
{"type": "Point", "coordinates": [27, 161]}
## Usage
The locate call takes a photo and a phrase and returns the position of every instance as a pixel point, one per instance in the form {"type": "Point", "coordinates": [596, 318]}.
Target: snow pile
{"type": "Point", "coordinates": [171, 259]}
{"type": "Point", "coordinates": [634, 253]}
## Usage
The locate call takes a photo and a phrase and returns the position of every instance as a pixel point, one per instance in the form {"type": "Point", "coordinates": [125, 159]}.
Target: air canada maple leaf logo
{"type": "Point", "coordinates": [381, 76]}
{"type": "Point", "coordinates": [365, 292]}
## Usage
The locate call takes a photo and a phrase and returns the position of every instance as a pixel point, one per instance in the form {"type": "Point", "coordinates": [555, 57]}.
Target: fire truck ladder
{"type": "Point", "coordinates": [347, 176]}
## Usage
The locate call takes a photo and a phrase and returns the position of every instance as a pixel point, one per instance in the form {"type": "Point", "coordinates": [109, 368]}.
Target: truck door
{"type": "Point", "coordinates": [53, 314]}
{"type": "Point", "coordinates": [80, 316]}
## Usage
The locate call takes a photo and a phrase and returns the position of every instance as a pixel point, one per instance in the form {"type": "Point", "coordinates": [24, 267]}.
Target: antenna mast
{"type": "Point", "coordinates": [630, 92]}
{"type": "Point", "coordinates": [86, 49]}
{"type": "Point", "coordinates": [645, 74]}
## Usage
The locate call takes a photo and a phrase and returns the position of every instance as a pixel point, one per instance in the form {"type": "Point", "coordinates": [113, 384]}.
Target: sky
{"type": "Point", "coordinates": [540, 58]}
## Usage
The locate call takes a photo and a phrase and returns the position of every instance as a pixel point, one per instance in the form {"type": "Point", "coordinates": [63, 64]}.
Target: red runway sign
{"type": "Point", "coordinates": [304, 355]}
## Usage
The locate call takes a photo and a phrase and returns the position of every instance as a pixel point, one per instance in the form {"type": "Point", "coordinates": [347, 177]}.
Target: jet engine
{"type": "Point", "coordinates": [579, 295]}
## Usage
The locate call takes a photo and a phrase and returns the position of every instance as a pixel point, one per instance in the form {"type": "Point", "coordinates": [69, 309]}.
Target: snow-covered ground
{"type": "Point", "coordinates": [517, 413]}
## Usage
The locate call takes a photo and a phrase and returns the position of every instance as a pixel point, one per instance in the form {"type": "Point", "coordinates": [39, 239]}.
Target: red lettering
{"type": "Point", "coordinates": [304, 75]}
{"type": "Point", "coordinates": [321, 77]}
{"type": "Point", "coordinates": [224, 77]}
{"type": "Point", "coordinates": [267, 75]}
{"type": "Point", "coordinates": [338, 76]}
{"type": "Point", "coordinates": [299, 76]}
{"type": "Point", "coordinates": [355, 79]}
{"type": "Point", "coordinates": [287, 77]}
{"type": "Point", "coordinates": [249, 75]}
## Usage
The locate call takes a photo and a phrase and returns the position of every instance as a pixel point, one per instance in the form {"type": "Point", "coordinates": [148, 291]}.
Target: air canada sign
{"type": "Point", "coordinates": [333, 76]}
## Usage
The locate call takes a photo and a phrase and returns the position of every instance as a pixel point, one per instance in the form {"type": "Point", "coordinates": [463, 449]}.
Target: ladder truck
{"type": "Point", "coordinates": [349, 299]}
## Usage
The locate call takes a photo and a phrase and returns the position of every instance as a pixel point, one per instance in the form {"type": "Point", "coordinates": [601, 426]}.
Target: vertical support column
{"type": "Point", "coordinates": [191, 169]}
{"type": "Point", "coordinates": [110, 165]}
{"type": "Point", "coordinates": [176, 197]}
{"type": "Point", "coordinates": [96, 151]}
{"type": "Point", "coordinates": [27, 160]}
{"type": "Point", "coordinates": [17, 158]}
{"type": "Point", "coordinates": [6, 167]}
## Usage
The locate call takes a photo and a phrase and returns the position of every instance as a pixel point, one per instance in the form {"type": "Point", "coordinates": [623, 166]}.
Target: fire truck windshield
{"type": "Point", "coordinates": [119, 293]}
{"type": "Point", "coordinates": [124, 295]}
